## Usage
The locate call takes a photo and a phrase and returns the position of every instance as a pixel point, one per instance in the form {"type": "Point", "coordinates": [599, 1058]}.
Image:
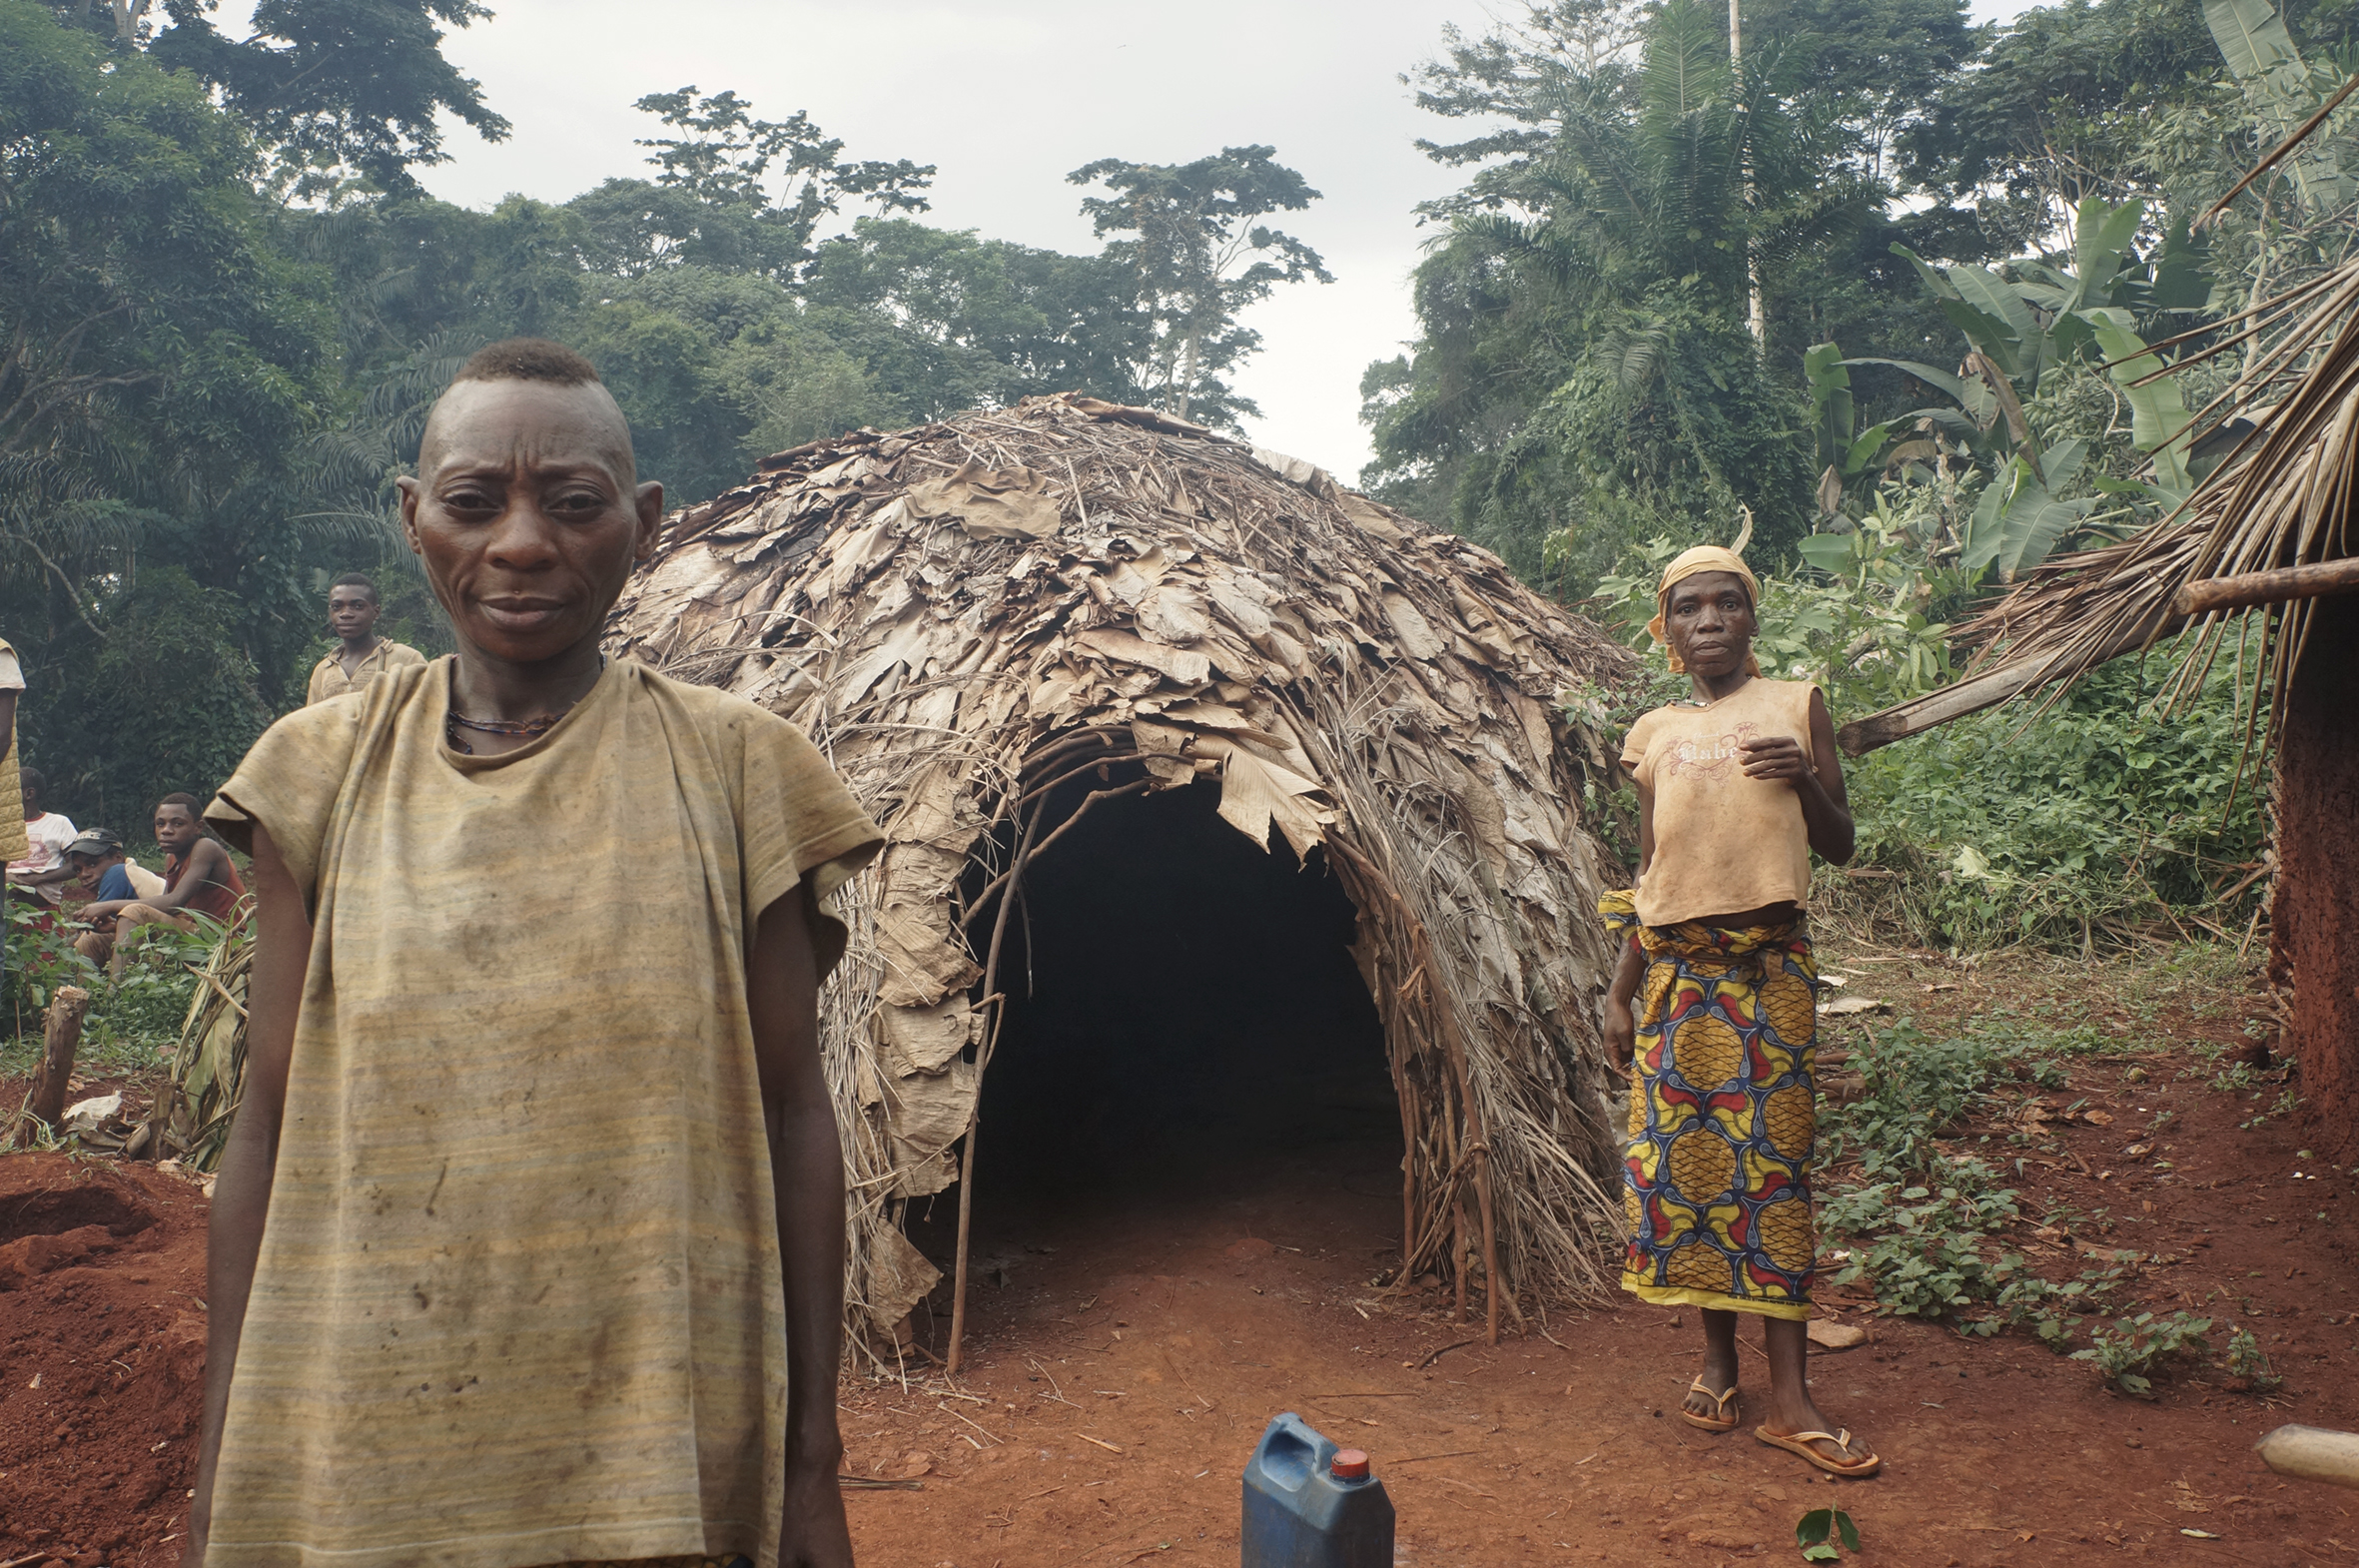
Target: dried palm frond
{"type": "Point", "coordinates": [191, 1117]}
{"type": "Point", "coordinates": [2282, 500]}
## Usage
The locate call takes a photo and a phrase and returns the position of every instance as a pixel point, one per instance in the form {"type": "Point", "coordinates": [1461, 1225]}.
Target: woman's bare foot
{"type": "Point", "coordinates": [1719, 1374]}
{"type": "Point", "coordinates": [1791, 1408]}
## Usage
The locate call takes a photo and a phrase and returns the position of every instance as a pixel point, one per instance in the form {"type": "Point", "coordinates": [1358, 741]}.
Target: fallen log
{"type": "Point", "coordinates": [2312, 1453]}
{"type": "Point", "coordinates": [2246, 589]}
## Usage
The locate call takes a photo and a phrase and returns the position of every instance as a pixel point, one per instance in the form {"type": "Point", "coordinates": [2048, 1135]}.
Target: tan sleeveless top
{"type": "Point", "coordinates": [1722, 842]}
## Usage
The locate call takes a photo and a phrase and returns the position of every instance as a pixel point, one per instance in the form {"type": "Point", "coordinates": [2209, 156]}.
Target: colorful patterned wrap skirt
{"type": "Point", "coordinates": [1715, 1175]}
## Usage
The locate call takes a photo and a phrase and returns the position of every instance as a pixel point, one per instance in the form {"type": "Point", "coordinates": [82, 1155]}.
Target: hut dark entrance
{"type": "Point", "coordinates": [1178, 1001]}
{"type": "Point", "coordinates": [977, 618]}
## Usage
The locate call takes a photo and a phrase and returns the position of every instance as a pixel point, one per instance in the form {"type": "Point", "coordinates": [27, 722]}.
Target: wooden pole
{"type": "Point", "coordinates": [1470, 1121]}
{"type": "Point", "coordinates": [2312, 1453]}
{"type": "Point", "coordinates": [999, 1010]}
{"type": "Point", "coordinates": [61, 1036]}
{"type": "Point", "coordinates": [1458, 1255]}
{"type": "Point", "coordinates": [2247, 589]}
{"type": "Point", "coordinates": [1479, 1142]}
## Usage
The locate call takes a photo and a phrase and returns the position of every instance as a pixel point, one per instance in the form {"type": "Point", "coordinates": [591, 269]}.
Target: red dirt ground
{"type": "Point", "coordinates": [1122, 1371]}
{"type": "Point", "coordinates": [102, 1356]}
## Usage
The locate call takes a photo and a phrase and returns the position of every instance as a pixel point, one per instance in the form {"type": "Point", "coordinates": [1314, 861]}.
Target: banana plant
{"type": "Point", "coordinates": [1845, 454]}
{"type": "Point", "coordinates": [2017, 329]}
{"type": "Point", "coordinates": [2282, 89]}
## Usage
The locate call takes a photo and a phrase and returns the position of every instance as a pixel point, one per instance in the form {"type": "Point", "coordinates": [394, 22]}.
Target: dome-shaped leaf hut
{"type": "Point", "coordinates": [1008, 630]}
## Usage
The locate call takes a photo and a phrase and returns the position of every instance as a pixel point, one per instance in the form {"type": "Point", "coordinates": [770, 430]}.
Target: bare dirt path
{"type": "Point", "coordinates": [1130, 1347]}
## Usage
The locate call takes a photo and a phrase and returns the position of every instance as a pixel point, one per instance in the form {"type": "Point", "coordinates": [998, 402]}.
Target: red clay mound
{"type": "Point", "coordinates": [102, 1360]}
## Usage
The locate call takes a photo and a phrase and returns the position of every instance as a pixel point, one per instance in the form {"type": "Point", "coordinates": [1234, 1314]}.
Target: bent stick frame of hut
{"type": "Point", "coordinates": [966, 615]}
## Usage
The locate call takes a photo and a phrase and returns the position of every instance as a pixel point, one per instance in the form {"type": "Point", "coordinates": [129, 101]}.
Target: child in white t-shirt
{"type": "Point", "coordinates": [43, 867]}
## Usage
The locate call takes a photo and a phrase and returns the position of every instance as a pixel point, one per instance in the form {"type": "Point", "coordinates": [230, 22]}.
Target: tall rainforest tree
{"type": "Point", "coordinates": [1196, 259]}
{"type": "Point", "coordinates": [1586, 377]}
{"type": "Point", "coordinates": [338, 90]}
{"type": "Point", "coordinates": [165, 368]}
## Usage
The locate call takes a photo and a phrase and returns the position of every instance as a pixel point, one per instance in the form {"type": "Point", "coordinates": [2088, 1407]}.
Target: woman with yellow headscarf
{"type": "Point", "coordinates": [1737, 786]}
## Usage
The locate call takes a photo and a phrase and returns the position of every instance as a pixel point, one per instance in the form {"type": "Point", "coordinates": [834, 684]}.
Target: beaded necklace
{"type": "Point", "coordinates": [522, 729]}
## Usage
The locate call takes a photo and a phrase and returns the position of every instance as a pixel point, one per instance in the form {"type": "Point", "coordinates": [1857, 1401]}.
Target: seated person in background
{"type": "Point", "coordinates": [110, 877]}
{"type": "Point", "coordinates": [43, 868]}
{"type": "Point", "coordinates": [363, 654]}
{"type": "Point", "coordinates": [199, 879]}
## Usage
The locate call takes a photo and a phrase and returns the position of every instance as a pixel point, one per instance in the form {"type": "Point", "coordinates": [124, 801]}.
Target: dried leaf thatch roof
{"type": "Point", "coordinates": [965, 613]}
{"type": "Point", "coordinates": [2283, 500]}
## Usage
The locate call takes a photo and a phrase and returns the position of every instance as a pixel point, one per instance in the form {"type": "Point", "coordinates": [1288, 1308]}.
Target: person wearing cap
{"type": "Point", "coordinates": [1738, 785]}
{"type": "Point", "coordinates": [360, 654]}
{"type": "Point", "coordinates": [109, 876]}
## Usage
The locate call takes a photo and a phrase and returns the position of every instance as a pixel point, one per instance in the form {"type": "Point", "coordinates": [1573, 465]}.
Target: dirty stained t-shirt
{"type": "Point", "coordinates": [519, 1300]}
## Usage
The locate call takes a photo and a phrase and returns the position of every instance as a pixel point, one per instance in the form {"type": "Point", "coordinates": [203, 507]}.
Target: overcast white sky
{"type": "Point", "coordinates": [1007, 97]}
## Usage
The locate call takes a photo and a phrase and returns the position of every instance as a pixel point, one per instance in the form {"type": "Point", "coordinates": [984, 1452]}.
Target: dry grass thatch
{"type": "Point", "coordinates": [194, 1107]}
{"type": "Point", "coordinates": [965, 614]}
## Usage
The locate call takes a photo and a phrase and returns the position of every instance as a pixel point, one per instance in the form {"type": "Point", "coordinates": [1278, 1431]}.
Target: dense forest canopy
{"type": "Point", "coordinates": [1868, 281]}
{"type": "Point", "coordinates": [1618, 305]}
{"type": "Point", "coordinates": [228, 305]}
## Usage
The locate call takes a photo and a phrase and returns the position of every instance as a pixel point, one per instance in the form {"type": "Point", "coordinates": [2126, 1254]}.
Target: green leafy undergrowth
{"type": "Point", "coordinates": [132, 1021]}
{"type": "Point", "coordinates": [2097, 818]}
{"type": "Point", "coordinates": [1926, 1225]}
{"type": "Point", "coordinates": [2136, 1347]}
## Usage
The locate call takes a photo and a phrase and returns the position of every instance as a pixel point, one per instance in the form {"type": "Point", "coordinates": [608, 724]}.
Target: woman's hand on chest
{"type": "Point", "coordinates": [1777, 758]}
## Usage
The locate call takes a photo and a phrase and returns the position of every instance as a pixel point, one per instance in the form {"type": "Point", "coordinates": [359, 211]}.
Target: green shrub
{"type": "Point", "coordinates": [2136, 1347]}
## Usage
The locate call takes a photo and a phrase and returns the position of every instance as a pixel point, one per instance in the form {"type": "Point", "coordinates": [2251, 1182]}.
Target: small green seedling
{"type": "Point", "coordinates": [1812, 1531]}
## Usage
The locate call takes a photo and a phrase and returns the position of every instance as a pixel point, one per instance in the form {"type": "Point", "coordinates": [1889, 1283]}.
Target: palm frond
{"type": "Point", "coordinates": [2286, 503]}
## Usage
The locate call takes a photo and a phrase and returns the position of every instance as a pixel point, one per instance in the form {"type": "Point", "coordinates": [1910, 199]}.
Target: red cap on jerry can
{"type": "Point", "coordinates": [1350, 1465]}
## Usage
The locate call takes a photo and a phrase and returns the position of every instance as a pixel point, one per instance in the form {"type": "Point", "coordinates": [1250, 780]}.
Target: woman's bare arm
{"type": "Point", "coordinates": [1621, 1024]}
{"type": "Point", "coordinates": [242, 1188]}
{"type": "Point", "coordinates": [807, 1180]}
{"type": "Point", "coordinates": [1646, 827]}
{"type": "Point", "coordinates": [1817, 778]}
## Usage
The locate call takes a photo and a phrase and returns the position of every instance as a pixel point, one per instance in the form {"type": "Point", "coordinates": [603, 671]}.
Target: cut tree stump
{"type": "Point", "coordinates": [61, 1036]}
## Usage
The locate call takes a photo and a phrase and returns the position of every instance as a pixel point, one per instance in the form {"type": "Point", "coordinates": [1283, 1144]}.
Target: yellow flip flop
{"type": "Point", "coordinates": [1800, 1443]}
{"type": "Point", "coordinates": [1722, 1419]}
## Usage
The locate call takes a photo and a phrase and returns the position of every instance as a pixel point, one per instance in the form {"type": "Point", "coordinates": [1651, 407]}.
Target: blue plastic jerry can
{"type": "Point", "coordinates": [1309, 1504]}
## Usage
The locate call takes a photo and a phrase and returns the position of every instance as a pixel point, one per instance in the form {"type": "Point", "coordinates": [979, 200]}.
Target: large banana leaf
{"type": "Point", "coordinates": [2019, 522]}
{"type": "Point", "coordinates": [1831, 401]}
{"type": "Point", "coordinates": [2009, 322]}
{"type": "Point", "coordinates": [2101, 240]}
{"type": "Point", "coordinates": [2261, 54]}
{"type": "Point", "coordinates": [1933, 276]}
{"type": "Point", "coordinates": [1866, 448]}
{"type": "Point", "coordinates": [1940, 381]}
{"type": "Point", "coordinates": [2252, 39]}
{"type": "Point", "coordinates": [1986, 529]}
{"type": "Point", "coordinates": [2158, 417]}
